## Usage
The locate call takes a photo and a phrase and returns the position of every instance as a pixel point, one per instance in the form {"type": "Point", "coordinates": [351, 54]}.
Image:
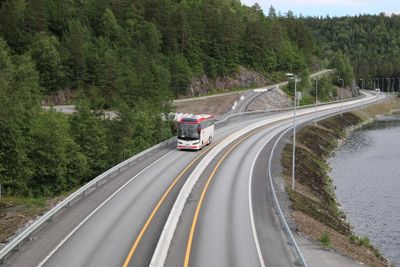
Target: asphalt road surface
{"type": "Point", "coordinates": [101, 229]}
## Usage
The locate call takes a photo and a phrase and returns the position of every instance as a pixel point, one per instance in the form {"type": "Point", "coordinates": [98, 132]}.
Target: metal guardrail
{"type": "Point", "coordinates": [278, 207]}
{"type": "Point", "coordinates": [282, 218]}
{"type": "Point", "coordinates": [51, 214]}
{"type": "Point", "coordinates": [224, 120]}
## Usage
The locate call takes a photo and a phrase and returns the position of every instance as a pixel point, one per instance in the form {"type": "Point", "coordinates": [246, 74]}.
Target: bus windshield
{"type": "Point", "coordinates": [188, 132]}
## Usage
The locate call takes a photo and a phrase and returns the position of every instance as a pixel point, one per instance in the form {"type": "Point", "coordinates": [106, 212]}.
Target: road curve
{"type": "Point", "coordinates": [100, 229]}
{"type": "Point", "coordinates": [224, 233]}
{"type": "Point", "coordinates": [105, 238]}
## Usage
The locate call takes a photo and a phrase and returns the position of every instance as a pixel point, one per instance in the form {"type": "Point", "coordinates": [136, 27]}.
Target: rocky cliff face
{"type": "Point", "coordinates": [241, 78]}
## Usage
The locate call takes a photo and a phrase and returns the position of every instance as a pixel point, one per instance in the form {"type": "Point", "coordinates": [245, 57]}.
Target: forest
{"type": "Point", "coordinates": [134, 57]}
{"type": "Point", "coordinates": [370, 42]}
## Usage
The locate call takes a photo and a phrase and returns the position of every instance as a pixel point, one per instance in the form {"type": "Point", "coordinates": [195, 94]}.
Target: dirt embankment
{"type": "Point", "coordinates": [18, 212]}
{"type": "Point", "coordinates": [217, 105]}
{"type": "Point", "coordinates": [314, 207]}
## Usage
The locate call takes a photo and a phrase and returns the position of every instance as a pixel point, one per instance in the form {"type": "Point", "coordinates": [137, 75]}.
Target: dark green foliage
{"type": "Point", "coordinates": [325, 89]}
{"type": "Point", "coordinates": [44, 51]}
{"type": "Point", "coordinates": [325, 239]}
{"type": "Point", "coordinates": [130, 56]}
{"type": "Point", "coordinates": [180, 74]}
{"type": "Point", "coordinates": [89, 133]}
{"type": "Point", "coordinates": [369, 42]}
{"type": "Point", "coordinates": [58, 165]}
{"type": "Point", "coordinates": [114, 45]}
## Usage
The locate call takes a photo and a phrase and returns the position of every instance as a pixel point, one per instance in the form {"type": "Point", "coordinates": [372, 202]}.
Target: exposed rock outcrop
{"type": "Point", "coordinates": [241, 78]}
{"type": "Point", "coordinates": [272, 99]}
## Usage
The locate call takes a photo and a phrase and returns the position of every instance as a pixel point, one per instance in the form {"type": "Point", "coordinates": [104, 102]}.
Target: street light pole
{"type": "Point", "coordinates": [393, 81]}
{"type": "Point", "coordinates": [362, 88]}
{"type": "Point", "coordinates": [398, 85]}
{"type": "Point", "coordinates": [341, 102]}
{"type": "Point", "coordinates": [316, 99]}
{"type": "Point", "coordinates": [388, 85]}
{"type": "Point", "coordinates": [293, 76]}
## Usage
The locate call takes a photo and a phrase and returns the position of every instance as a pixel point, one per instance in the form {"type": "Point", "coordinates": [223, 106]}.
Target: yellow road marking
{"type": "Point", "coordinates": [157, 207]}
{"type": "Point", "coordinates": [203, 193]}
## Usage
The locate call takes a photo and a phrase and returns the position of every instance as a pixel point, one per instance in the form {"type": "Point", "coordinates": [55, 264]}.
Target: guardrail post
{"type": "Point", "coordinates": [3, 260]}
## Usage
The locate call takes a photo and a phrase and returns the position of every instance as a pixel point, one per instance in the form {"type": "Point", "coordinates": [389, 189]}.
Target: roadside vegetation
{"type": "Point", "coordinates": [134, 57]}
{"type": "Point", "coordinates": [369, 42]}
{"type": "Point", "coordinates": [314, 206]}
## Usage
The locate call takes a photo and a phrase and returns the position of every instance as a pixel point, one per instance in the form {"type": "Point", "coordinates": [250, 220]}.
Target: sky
{"type": "Point", "coordinates": [333, 8]}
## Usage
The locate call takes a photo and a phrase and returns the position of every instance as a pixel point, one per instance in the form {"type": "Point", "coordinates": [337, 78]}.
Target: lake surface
{"type": "Point", "coordinates": [366, 173]}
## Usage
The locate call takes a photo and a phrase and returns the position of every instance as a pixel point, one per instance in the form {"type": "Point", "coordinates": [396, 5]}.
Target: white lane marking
{"type": "Point", "coordinates": [164, 242]}
{"type": "Point", "coordinates": [272, 133]}
{"type": "Point", "coordinates": [253, 226]}
{"type": "Point", "coordinates": [291, 237]}
{"type": "Point", "coordinates": [98, 208]}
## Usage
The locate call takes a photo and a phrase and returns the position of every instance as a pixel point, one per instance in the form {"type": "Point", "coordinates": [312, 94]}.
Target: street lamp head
{"type": "Point", "coordinates": [291, 76]}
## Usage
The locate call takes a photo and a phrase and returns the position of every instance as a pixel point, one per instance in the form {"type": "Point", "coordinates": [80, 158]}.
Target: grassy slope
{"type": "Point", "coordinates": [314, 206]}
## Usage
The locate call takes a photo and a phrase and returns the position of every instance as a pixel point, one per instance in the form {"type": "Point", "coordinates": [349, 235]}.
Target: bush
{"type": "Point", "coordinates": [325, 239]}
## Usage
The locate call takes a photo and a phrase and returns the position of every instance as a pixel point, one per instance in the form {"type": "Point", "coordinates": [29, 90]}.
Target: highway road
{"type": "Point", "coordinates": [120, 223]}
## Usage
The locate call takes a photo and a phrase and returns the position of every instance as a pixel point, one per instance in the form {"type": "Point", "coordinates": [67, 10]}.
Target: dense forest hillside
{"type": "Point", "coordinates": [370, 42]}
{"type": "Point", "coordinates": [135, 56]}
{"type": "Point", "coordinates": [132, 56]}
{"type": "Point", "coordinates": [127, 49]}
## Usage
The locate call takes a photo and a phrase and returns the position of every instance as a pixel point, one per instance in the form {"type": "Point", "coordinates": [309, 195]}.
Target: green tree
{"type": "Point", "coordinates": [88, 132]}
{"type": "Point", "coordinates": [181, 75]}
{"type": "Point", "coordinates": [53, 152]}
{"type": "Point", "coordinates": [77, 39]}
{"type": "Point", "coordinates": [44, 51]}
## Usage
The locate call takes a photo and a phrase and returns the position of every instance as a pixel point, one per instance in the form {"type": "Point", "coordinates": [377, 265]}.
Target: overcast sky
{"type": "Point", "coordinates": [331, 7]}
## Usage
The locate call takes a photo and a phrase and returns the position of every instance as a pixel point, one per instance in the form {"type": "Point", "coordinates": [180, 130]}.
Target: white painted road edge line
{"type": "Point", "coordinates": [300, 254]}
{"type": "Point", "coordinates": [160, 253]}
{"type": "Point", "coordinates": [98, 208]}
{"type": "Point", "coordinates": [164, 242]}
{"type": "Point", "coordinates": [277, 130]}
{"type": "Point", "coordinates": [253, 226]}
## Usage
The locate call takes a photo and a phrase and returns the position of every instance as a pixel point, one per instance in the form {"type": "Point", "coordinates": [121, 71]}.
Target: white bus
{"type": "Point", "coordinates": [195, 131]}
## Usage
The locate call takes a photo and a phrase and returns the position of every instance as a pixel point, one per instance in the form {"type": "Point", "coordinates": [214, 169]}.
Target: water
{"type": "Point", "coordinates": [366, 173]}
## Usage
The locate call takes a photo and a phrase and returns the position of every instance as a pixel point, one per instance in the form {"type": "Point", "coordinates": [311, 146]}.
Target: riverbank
{"type": "Point", "coordinates": [314, 208]}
